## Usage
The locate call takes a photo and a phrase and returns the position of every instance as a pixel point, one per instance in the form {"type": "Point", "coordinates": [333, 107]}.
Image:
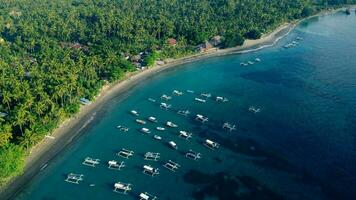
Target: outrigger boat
{"type": "Point", "coordinates": [124, 153]}
{"type": "Point", "coordinates": [230, 127]}
{"type": "Point", "coordinates": [166, 97]}
{"type": "Point", "coordinates": [254, 109]}
{"type": "Point", "coordinates": [149, 170]}
{"type": "Point", "coordinates": [183, 112]}
{"type": "Point", "coordinates": [201, 118]}
{"type": "Point", "coordinates": [134, 112]}
{"type": "Point", "coordinates": [222, 99]}
{"type": "Point", "coordinates": [122, 128]}
{"type": "Point", "coordinates": [193, 155]}
{"type": "Point", "coordinates": [190, 91]}
{"type": "Point", "coordinates": [160, 128]}
{"type": "Point", "coordinates": [147, 196]}
{"type": "Point", "coordinates": [173, 145]}
{"type": "Point", "coordinates": [145, 130]}
{"type": "Point", "coordinates": [122, 188]}
{"type": "Point", "coordinates": [258, 60]}
{"type": "Point", "coordinates": [74, 178]}
{"type": "Point", "coordinates": [157, 137]}
{"type": "Point", "coordinates": [185, 135]}
{"type": "Point", "coordinates": [113, 164]}
{"type": "Point", "coordinates": [243, 64]}
{"type": "Point", "coordinates": [211, 144]}
{"type": "Point", "coordinates": [165, 106]}
{"type": "Point", "coordinates": [171, 124]}
{"type": "Point", "coordinates": [250, 63]}
{"type": "Point", "coordinates": [207, 95]}
{"type": "Point", "coordinates": [200, 100]}
{"type": "Point", "coordinates": [299, 38]}
{"type": "Point", "coordinates": [140, 121]}
{"type": "Point", "coordinates": [152, 156]}
{"type": "Point", "coordinates": [152, 100]}
{"type": "Point", "coordinates": [91, 162]}
{"type": "Point", "coordinates": [178, 93]}
{"type": "Point", "coordinates": [172, 166]}
{"type": "Point", "coordinates": [152, 119]}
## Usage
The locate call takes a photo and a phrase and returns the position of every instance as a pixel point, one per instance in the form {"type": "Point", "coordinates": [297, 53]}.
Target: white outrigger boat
{"type": "Point", "coordinates": [201, 118]}
{"type": "Point", "coordinates": [171, 124]}
{"type": "Point", "coordinates": [152, 156]}
{"type": "Point", "coordinates": [122, 128]}
{"type": "Point", "coordinates": [152, 119]}
{"type": "Point", "coordinates": [207, 95]}
{"type": "Point", "coordinates": [74, 178]}
{"type": "Point", "coordinates": [160, 128]}
{"type": "Point", "coordinates": [166, 97]}
{"type": "Point", "coordinates": [147, 196]}
{"type": "Point", "coordinates": [258, 60]}
{"type": "Point", "coordinates": [185, 135]}
{"type": "Point", "coordinates": [250, 63]}
{"type": "Point", "coordinates": [122, 188]}
{"type": "Point", "coordinates": [91, 162]}
{"type": "Point", "coordinates": [140, 121]}
{"type": "Point", "coordinates": [173, 145]}
{"type": "Point", "coordinates": [254, 109]}
{"type": "Point", "coordinates": [149, 170]}
{"type": "Point", "coordinates": [193, 155]}
{"type": "Point", "coordinates": [134, 112]}
{"type": "Point", "coordinates": [157, 137]}
{"type": "Point", "coordinates": [190, 91]}
{"type": "Point", "coordinates": [183, 112]}
{"type": "Point", "coordinates": [165, 106]}
{"type": "Point", "coordinates": [152, 100]}
{"type": "Point", "coordinates": [113, 164]}
{"type": "Point", "coordinates": [125, 153]}
{"type": "Point", "coordinates": [145, 130]}
{"type": "Point", "coordinates": [243, 64]}
{"type": "Point", "coordinates": [172, 166]}
{"type": "Point", "coordinates": [222, 99]}
{"type": "Point", "coordinates": [200, 100]}
{"type": "Point", "coordinates": [178, 93]}
{"type": "Point", "coordinates": [211, 144]}
{"type": "Point", "coordinates": [230, 127]}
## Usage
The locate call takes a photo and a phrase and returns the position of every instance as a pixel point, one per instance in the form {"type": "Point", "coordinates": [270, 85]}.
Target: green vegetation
{"type": "Point", "coordinates": [53, 52]}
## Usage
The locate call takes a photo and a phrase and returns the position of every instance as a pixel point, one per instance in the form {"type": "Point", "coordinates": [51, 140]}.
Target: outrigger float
{"type": "Point", "coordinates": [152, 156]}
{"type": "Point", "coordinates": [166, 97]}
{"type": "Point", "coordinates": [113, 164]}
{"type": "Point", "coordinates": [160, 128]}
{"type": "Point", "coordinates": [178, 93]}
{"type": "Point", "coordinates": [147, 196]}
{"type": "Point", "coordinates": [122, 128]}
{"type": "Point", "coordinates": [134, 112]}
{"type": "Point", "coordinates": [200, 100]}
{"type": "Point", "coordinates": [91, 162]}
{"type": "Point", "coordinates": [74, 178]}
{"type": "Point", "coordinates": [185, 135]}
{"type": "Point", "coordinates": [165, 106]}
{"type": "Point", "coordinates": [193, 155]}
{"type": "Point", "coordinates": [171, 124]}
{"type": "Point", "coordinates": [173, 145]}
{"type": "Point", "coordinates": [172, 166]}
{"type": "Point", "coordinates": [201, 118]}
{"type": "Point", "coordinates": [211, 144]}
{"type": "Point", "coordinates": [157, 137]}
{"type": "Point", "coordinates": [145, 130]}
{"type": "Point", "coordinates": [152, 119]}
{"type": "Point", "coordinates": [124, 153]}
{"type": "Point", "coordinates": [149, 170]}
{"type": "Point", "coordinates": [122, 188]}
{"type": "Point", "coordinates": [230, 127]}
{"type": "Point", "coordinates": [183, 112]}
{"type": "Point", "coordinates": [140, 121]}
{"type": "Point", "coordinates": [222, 99]}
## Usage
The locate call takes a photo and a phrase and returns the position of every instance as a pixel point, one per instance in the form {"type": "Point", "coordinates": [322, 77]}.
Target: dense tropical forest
{"type": "Point", "coordinates": [54, 52]}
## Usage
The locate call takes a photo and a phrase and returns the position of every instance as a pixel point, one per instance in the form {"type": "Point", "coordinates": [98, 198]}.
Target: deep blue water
{"type": "Point", "coordinates": [300, 146]}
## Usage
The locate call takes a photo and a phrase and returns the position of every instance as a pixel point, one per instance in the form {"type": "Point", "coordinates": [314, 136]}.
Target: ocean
{"type": "Point", "coordinates": [299, 142]}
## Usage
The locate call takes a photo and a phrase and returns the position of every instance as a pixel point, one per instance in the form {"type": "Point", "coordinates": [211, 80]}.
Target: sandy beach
{"type": "Point", "coordinates": [71, 129]}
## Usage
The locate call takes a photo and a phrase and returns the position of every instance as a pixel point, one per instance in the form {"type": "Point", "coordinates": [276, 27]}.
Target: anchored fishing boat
{"type": "Point", "coordinates": [183, 112]}
{"type": "Point", "coordinates": [147, 196]}
{"type": "Point", "coordinates": [122, 128]}
{"type": "Point", "coordinates": [113, 164]}
{"type": "Point", "coordinates": [134, 112]}
{"type": "Point", "coordinates": [200, 100]}
{"type": "Point", "coordinates": [90, 162]}
{"type": "Point", "coordinates": [185, 135]}
{"type": "Point", "coordinates": [166, 97]}
{"type": "Point", "coordinates": [74, 178]}
{"type": "Point", "coordinates": [243, 64]}
{"type": "Point", "coordinates": [258, 60]}
{"type": "Point", "coordinates": [149, 170]}
{"type": "Point", "coordinates": [151, 100]}
{"type": "Point", "coordinates": [145, 130]}
{"type": "Point", "coordinates": [250, 63]}
{"type": "Point", "coordinates": [178, 93]}
{"type": "Point", "coordinates": [160, 128]}
{"type": "Point", "coordinates": [211, 144]}
{"type": "Point", "coordinates": [152, 156]}
{"type": "Point", "coordinates": [165, 106]}
{"type": "Point", "coordinates": [193, 155]}
{"type": "Point", "coordinates": [157, 137]}
{"type": "Point", "coordinates": [122, 188]}
{"type": "Point", "coordinates": [222, 99]}
{"type": "Point", "coordinates": [173, 145]}
{"type": "Point", "coordinates": [152, 119]}
{"type": "Point", "coordinates": [254, 109]}
{"type": "Point", "coordinates": [140, 121]}
{"type": "Point", "coordinates": [206, 95]}
{"type": "Point", "coordinates": [172, 166]}
{"type": "Point", "coordinates": [125, 153]}
{"type": "Point", "coordinates": [230, 127]}
{"type": "Point", "coordinates": [171, 124]}
{"type": "Point", "coordinates": [190, 91]}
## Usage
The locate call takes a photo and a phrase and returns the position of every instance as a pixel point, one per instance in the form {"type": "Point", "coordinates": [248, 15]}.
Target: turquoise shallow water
{"type": "Point", "coordinates": [300, 146]}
